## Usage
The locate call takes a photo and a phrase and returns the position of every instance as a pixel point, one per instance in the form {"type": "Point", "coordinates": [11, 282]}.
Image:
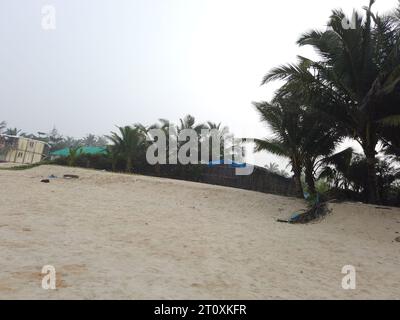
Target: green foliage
{"type": "Point", "coordinates": [355, 86]}
{"type": "Point", "coordinates": [73, 156]}
{"type": "Point", "coordinates": [299, 134]}
{"type": "Point", "coordinates": [322, 187]}
{"type": "Point", "coordinates": [129, 143]}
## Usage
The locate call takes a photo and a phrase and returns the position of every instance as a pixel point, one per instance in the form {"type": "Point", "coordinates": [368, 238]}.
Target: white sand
{"type": "Point", "coordinates": [134, 237]}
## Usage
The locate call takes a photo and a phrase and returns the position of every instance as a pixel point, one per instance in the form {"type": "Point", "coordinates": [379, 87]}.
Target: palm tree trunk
{"type": "Point", "coordinates": [369, 145]}
{"type": "Point", "coordinates": [310, 177]}
{"type": "Point", "coordinates": [128, 164]}
{"type": "Point", "coordinates": [297, 181]}
{"type": "Point", "coordinates": [371, 176]}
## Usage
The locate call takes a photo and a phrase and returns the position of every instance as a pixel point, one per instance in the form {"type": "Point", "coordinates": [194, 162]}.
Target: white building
{"type": "Point", "coordinates": [21, 150]}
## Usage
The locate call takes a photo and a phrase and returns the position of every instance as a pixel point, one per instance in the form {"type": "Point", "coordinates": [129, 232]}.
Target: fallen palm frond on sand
{"type": "Point", "coordinates": [316, 212]}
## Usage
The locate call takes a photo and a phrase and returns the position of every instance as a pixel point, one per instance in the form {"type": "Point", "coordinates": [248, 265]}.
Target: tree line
{"type": "Point", "coordinates": [351, 91]}
{"type": "Point", "coordinates": [56, 140]}
{"type": "Point", "coordinates": [126, 147]}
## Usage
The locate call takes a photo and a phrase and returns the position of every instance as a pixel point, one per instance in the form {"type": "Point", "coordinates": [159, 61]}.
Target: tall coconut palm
{"type": "Point", "coordinates": [282, 117]}
{"type": "Point", "coordinates": [189, 122]}
{"type": "Point", "coordinates": [319, 141]}
{"type": "Point", "coordinates": [129, 143]}
{"type": "Point", "coordinates": [357, 79]}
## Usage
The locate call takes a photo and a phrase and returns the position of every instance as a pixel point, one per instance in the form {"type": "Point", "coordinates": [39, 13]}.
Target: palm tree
{"type": "Point", "coordinates": [189, 122]}
{"type": "Point", "coordinates": [170, 132]}
{"type": "Point", "coordinates": [74, 153]}
{"type": "Point", "coordinates": [55, 140]}
{"type": "Point", "coordinates": [89, 140]}
{"type": "Point", "coordinates": [357, 81]}
{"type": "Point", "coordinates": [346, 170]}
{"type": "Point", "coordinates": [129, 143]}
{"type": "Point", "coordinates": [13, 132]}
{"type": "Point", "coordinates": [282, 116]}
{"type": "Point", "coordinates": [391, 142]}
{"type": "Point", "coordinates": [113, 155]}
{"type": "Point", "coordinates": [217, 126]}
{"type": "Point", "coordinates": [337, 168]}
{"type": "Point", "coordinates": [272, 167]}
{"type": "Point", "coordinates": [3, 125]}
{"type": "Point", "coordinates": [70, 142]}
{"type": "Point", "coordinates": [319, 141]}
{"type": "Point", "coordinates": [163, 124]}
{"type": "Point", "coordinates": [92, 140]}
{"type": "Point", "coordinates": [308, 136]}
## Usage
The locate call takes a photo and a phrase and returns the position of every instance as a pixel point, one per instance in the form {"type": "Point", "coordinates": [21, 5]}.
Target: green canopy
{"type": "Point", "coordinates": [86, 150]}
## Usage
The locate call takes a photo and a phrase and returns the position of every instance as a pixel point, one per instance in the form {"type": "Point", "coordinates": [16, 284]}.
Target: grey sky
{"type": "Point", "coordinates": [126, 61]}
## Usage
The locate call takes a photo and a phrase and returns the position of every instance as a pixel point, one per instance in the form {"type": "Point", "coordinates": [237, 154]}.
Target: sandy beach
{"type": "Point", "coordinates": [115, 236]}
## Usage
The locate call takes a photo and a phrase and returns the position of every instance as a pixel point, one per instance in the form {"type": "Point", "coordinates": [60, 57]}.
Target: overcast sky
{"type": "Point", "coordinates": [118, 62]}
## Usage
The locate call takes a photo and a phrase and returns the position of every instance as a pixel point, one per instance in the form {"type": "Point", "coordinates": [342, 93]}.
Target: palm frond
{"type": "Point", "coordinates": [391, 121]}
{"type": "Point", "coordinates": [271, 145]}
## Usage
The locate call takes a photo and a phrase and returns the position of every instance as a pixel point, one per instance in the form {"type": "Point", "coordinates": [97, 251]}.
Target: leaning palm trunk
{"type": "Point", "coordinates": [371, 176]}
{"type": "Point", "coordinates": [297, 181]}
{"type": "Point", "coordinates": [310, 178]}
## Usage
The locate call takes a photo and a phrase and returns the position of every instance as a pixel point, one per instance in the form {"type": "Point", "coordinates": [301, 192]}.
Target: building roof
{"type": "Point", "coordinates": [81, 150]}
{"type": "Point", "coordinates": [23, 138]}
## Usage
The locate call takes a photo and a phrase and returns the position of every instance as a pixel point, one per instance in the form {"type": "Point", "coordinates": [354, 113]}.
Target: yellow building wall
{"type": "Point", "coordinates": [37, 158]}
{"type": "Point", "coordinates": [11, 156]}
{"type": "Point", "coordinates": [29, 151]}
{"type": "Point", "coordinates": [39, 147]}
{"type": "Point", "coordinates": [22, 144]}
